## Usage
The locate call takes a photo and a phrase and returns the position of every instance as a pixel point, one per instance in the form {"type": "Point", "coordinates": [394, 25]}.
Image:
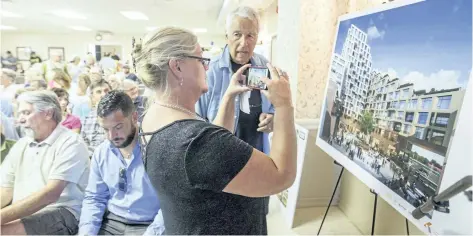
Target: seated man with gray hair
{"type": "Point", "coordinates": [44, 174]}
{"type": "Point", "coordinates": [141, 102]}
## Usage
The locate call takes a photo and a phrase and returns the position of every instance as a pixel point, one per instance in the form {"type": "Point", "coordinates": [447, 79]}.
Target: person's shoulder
{"type": "Point", "coordinates": [92, 116]}
{"type": "Point", "coordinates": [68, 138]}
{"type": "Point", "coordinates": [101, 151]}
{"type": "Point", "coordinates": [22, 142]}
{"type": "Point", "coordinates": [215, 61]}
{"type": "Point", "coordinates": [74, 118]}
{"type": "Point", "coordinates": [260, 59]}
{"type": "Point", "coordinates": [201, 129]}
{"type": "Point", "coordinates": [192, 128]}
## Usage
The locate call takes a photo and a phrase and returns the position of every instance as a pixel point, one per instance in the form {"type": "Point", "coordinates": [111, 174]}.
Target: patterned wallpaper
{"type": "Point", "coordinates": [287, 42]}
{"type": "Point", "coordinates": [306, 33]}
{"type": "Point", "coordinates": [318, 24]}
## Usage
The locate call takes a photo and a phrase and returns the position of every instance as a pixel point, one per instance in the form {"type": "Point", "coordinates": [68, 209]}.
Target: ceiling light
{"type": "Point", "coordinates": [8, 14]}
{"type": "Point", "coordinates": [80, 28]}
{"type": "Point", "coordinates": [5, 27]}
{"type": "Point", "coordinates": [68, 14]}
{"type": "Point", "coordinates": [200, 30]}
{"type": "Point", "coordinates": [151, 28]}
{"type": "Point", "coordinates": [98, 37]}
{"type": "Point", "coordinates": [134, 15]}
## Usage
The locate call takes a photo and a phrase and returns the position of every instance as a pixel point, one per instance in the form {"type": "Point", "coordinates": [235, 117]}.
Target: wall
{"type": "Point", "coordinates": [269, 21]}
{"type": "Point", "coordinates": [306, 33]}
{"type": "Point", "coordinates": [77, 44]}
{"type": "Point", "coordinates": [317, 166]}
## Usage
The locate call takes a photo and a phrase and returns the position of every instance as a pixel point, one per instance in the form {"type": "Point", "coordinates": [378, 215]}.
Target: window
{"type": "Point", "coordinates": [426, 103]}
{"type": "Point", "coordinates": [436, 137]}
{"type": "Point", "coordinates": [405, 93]}
{"type": "Point", "coordinates": [402, 104]}
{"type": "Point", "coordinates": [409, 117]}
{"type": "Point", "coordinates": [413, 104]}
{"type": "Point", "coordinates": [422, 118]}
{"type": "Point", "coordinates": [419, 133]}
{"type": "Point", "coordinates": [400, 115]}
{"type": "Point", "coordinates": [407, 129]}
{"type": "Point", "coordinates": [442, 119]}
{"type": "Point", "coordinates": [396, 96]}
{"type": "Point", "coordinates": [444, 102]}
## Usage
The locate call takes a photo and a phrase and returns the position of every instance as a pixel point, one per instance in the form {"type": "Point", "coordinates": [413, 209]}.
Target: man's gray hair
{"type": "Point", "coordinates": [128, 84]}
{"type": "Point", "coordinates": [9, 73]}
{"type": "Point", "coordinates": [43, 101]}
{"type": "Point", "coordinates": [244, 12]}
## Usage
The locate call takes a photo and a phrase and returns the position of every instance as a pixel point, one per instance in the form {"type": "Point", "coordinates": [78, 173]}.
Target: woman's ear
{"type": "Point", "coordinates": [175, 68]}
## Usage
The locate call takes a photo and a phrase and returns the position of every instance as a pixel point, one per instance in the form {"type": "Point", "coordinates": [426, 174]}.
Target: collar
{"type": "Point", "coordinates": [116, 151]}
{"type": "Point", "coordinates": [51, 138]}
{"type": "Point", "coordinates": [224, 60]}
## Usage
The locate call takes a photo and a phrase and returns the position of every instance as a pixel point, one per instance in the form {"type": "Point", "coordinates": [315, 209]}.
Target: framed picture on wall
{"type": "Point", "coordinates": [56, 51]}
{"type": "Point", "coordinates": [23, 53]}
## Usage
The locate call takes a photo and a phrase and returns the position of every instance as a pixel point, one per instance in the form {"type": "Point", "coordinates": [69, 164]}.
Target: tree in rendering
{"type": "Point", "coordinates": [367, 122]}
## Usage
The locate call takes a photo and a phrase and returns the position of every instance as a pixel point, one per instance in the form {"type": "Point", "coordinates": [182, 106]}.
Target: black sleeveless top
{"type": "Point", "coordinates": [189, 163]}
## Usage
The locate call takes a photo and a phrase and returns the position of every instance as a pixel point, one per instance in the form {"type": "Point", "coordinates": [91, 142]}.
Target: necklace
{"type": "Point", "coordinates": [125, 155]}
{"type": "Point", "coordinates": [179, 108]}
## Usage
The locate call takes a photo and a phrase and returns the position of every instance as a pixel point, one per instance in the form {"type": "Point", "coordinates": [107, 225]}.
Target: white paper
{"type": "Point", "coordinates": [245, 102]}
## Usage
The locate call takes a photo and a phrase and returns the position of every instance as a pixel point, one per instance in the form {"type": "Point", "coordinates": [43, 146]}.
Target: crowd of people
{"type": "Point", "coordinates": [83, 152]}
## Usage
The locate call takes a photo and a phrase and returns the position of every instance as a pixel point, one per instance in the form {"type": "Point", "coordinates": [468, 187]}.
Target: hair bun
{"type": "Point", "coordinates": [137, 48]}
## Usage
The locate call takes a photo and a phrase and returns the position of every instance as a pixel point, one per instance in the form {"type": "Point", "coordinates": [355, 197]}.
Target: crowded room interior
{"type": "Point", "coordinates": [247, 117]}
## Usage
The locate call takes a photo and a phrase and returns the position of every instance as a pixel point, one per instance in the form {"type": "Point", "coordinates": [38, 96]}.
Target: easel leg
{"type": "Point", "coordinates": [374, 211]}
{"type": "Point", "coordinates": [407, 227]}
{"type": "Point", "coordinates": [331, 199]}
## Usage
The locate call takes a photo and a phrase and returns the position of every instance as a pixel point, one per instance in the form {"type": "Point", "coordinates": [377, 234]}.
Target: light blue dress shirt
{"type": "Point", "coordinates": [218, 79]}
{"type": "Point", "coordinates": [6, 107]}
{"type": "Point", "coordinates": [9, 129]}
{"type": "Point", "coordinates": [139, 203]}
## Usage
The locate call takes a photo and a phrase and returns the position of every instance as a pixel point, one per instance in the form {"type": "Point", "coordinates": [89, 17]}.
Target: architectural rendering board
{"type": "Point", "coordinates": [394, 100]}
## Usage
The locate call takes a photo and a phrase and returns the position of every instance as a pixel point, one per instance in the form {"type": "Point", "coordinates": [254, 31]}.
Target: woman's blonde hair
{"type": "Point", "coordinates": [152, 56]}
{"type": "Point", "coordinates": [86, 81]}
{"type": "Point", "coordinates": [95, 77]}
{"type": "Point", "coordinates": [62, 77]}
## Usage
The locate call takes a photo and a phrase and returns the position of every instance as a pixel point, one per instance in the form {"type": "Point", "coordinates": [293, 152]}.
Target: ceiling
{"type": "Point", "coordinates": [104, 15]}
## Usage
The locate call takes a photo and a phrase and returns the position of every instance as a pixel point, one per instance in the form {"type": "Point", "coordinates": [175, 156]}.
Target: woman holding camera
{"type": "Point", "coordinates": [208, 181]}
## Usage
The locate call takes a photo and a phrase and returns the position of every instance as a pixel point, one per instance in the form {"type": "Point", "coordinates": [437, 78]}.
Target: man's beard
{"type": "Point", "coordinates": [128, 139]}
{"type": "Point", "coordinates": [29, 132]}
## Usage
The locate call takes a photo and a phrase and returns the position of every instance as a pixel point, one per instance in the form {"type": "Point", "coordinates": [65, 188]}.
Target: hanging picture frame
{"type": "Point", "coordinates": [56, 51]}
{"type": "Point", "coordinates": [23, 53]}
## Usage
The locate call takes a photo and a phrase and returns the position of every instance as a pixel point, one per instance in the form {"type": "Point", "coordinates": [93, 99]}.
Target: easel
{"type": "Point", "coordinates": [333, 195]}
{"type": "Point", "coordinates": [374, 207]}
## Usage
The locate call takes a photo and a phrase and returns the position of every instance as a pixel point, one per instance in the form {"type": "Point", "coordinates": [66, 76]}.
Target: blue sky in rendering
{"type": "Point", "coordinates": [427, 43]}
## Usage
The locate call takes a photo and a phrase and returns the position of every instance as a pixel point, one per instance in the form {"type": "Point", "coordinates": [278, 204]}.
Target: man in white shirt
{"type": "Point", "coordinates": [45, 173]}
{"type": "Point", "coordinates": [108, 64]}
{"type": "Point", "coordinates": [56, 62]}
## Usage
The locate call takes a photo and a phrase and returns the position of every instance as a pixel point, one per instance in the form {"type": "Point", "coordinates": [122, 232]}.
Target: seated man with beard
{"type": "Point", "coordinates": [119, 199]}
{"type": "Point", "coordinates": [44, 174]}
